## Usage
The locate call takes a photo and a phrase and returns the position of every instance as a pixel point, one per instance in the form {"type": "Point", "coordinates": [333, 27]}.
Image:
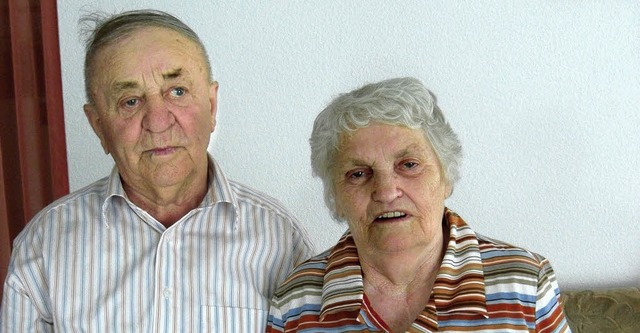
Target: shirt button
{"type": "Point", "coordinates": [166, 293]}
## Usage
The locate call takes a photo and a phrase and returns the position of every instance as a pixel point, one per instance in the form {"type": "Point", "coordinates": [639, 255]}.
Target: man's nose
{"type": "Point", "coordinates": [158, 117]}
{"type": "Point", "coordinates": [386, 187]}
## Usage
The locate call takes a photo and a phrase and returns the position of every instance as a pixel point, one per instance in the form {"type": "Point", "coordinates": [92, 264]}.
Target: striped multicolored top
{"type": "Point", "coordinates": [95, 262]}
{"type": "Point", "coordinates": [482, 285]}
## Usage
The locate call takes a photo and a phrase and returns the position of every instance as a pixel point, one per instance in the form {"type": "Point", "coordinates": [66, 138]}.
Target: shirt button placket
{"type": "Point", "coordinates": [166, 293]}
{"type": "Point", "coordinates": [165, 271]}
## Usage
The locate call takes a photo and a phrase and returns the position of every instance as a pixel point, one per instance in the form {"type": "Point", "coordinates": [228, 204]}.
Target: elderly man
{"type": "Point", "coordinates": [165, 243]}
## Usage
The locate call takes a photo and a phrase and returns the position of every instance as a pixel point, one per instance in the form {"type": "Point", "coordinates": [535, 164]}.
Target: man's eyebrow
{"type": "Point", "coordinates": [176, 73]}
{"type": "Point", "coordinates": [124, 85]}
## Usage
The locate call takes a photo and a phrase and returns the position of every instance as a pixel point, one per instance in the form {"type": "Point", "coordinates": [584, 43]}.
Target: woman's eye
{"type": "Point", "coordinates": [356, 174]}
{"type": "Point", "coordinates": [177, 92]}
{"type": "Point", "coordinates": [410, 165]}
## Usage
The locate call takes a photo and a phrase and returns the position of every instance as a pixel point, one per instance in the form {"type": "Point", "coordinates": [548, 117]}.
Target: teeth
{"type": "Point", "coordinates": [390, 215]}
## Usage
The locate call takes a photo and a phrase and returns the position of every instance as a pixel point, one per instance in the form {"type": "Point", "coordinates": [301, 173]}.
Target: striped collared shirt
{"type": "Point", "coordinates": [482, 286]}
{"type": "Point", "coordinates": [95, 262]}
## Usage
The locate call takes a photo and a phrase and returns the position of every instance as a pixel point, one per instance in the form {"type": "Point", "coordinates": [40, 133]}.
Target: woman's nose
{"type": "Point", "coordinates": [386, 187]}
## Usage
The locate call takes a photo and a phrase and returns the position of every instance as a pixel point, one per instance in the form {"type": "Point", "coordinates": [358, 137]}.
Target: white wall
{"type": "Point", "coordinates": [543, 94]}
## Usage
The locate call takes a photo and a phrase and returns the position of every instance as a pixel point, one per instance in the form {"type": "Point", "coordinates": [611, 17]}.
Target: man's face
{"type": "Point", "coordinates": [154, 108]}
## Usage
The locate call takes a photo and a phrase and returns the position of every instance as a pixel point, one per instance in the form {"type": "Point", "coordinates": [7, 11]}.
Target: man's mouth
{"type": "Point", "coordinates": [162, 151]}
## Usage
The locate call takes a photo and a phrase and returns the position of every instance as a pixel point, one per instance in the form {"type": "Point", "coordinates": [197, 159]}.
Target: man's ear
{"type": "Point", "coordinates": [213, 101]}
{"type": "Point", "coordinates": [94, 120]}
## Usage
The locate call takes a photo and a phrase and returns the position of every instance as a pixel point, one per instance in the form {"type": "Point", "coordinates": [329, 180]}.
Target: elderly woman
{"type": "Point", "coordinates": [388, 160]}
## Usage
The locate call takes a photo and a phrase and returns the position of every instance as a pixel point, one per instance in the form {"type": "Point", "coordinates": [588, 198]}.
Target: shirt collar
{"type": "Point", "coordinates": [459, 285]}
{"type": "Point", "coordinates": [343, 288]}
{"type": "Point", "coordinates": [219, 189]}
{"type": "Point", "coordinates": [114, 184]}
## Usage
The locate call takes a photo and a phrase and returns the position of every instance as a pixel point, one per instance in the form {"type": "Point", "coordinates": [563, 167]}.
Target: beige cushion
{"type": "Point", "coordinates": [603, 310]}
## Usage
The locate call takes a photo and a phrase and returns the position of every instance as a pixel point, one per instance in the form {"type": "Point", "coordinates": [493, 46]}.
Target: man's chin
{"type": "Point", "coordinates": [169, 174]}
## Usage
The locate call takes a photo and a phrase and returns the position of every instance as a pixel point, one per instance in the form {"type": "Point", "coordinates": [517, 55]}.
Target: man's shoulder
{"type": "Point", "coordinates": [89, 197]}
{"type": "Point", "coordinates": [247, 195]}
{"type": "Point", "coordinates": [94, 191]}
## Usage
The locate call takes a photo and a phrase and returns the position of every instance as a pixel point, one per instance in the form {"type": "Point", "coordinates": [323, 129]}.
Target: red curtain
{"type": "Point", "coordinates": [33, 156]}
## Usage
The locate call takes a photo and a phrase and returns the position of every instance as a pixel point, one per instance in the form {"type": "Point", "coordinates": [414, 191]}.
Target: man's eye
{"type": "Point", "coordinates": [131, 102]}
{"type": "Point", "coordinates": [177, 92]}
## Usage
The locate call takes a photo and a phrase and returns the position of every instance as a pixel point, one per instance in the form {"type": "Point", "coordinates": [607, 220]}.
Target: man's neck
{"type": "Point", "coordinates": [169, 204]}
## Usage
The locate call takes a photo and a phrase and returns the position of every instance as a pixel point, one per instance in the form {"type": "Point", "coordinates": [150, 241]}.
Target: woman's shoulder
{"type": "Point", "coordinates": [499, 256]}
{"type": "Point", "coordinates": [308, 273]}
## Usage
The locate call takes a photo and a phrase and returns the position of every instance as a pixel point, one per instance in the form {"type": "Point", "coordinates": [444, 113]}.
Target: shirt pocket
{"type": "Point", "coordinates": [233, 319]}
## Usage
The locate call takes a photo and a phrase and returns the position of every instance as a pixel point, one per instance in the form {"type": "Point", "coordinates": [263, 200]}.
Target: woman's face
{"type": "Point", "coordinates": [390, 188]}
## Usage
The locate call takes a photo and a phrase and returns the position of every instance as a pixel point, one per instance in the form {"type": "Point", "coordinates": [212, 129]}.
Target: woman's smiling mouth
{"type": "Point", "coordinates": [390, 216]}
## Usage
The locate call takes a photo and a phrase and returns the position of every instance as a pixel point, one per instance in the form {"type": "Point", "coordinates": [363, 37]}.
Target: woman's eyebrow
{"type": "Point", "coordinates": [409, 150]}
